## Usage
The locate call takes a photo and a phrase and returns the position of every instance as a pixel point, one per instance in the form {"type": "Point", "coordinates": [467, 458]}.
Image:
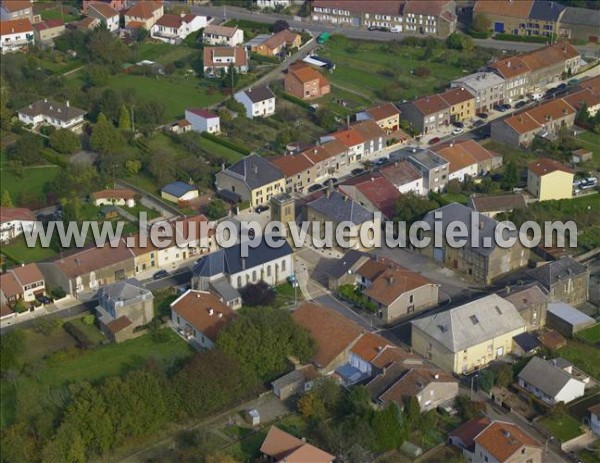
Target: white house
{"type": "Point", "coordinates": [114, 197]}
{"type": "Point", "coordinates": [179, 191]}
{"type": "Point", "coordinates": [222, 35]}
{"type": "Point", "coordinates": [24, 282]}
{"type": "Point", "coordinates": [105, 13]}
{"type": "Point", "coordinates": [16, 10]}
{"type": "Point", "coordinates": [203, 120]}
{"type": "Point", "coordinates": [61, 116]}
{"type": "Point", "coordinates": [272, 3]}
{"type": "Point", "coordinates": [404, 176]}
{"type": "Point", "coordinates": [258, 101]}
{"type": "Point", "coordinates": [550, 383]}
{"type": "Point", "coordinates": [217, 59]}
{"type": "Point", "coordinates": [172, 28]}
{"type": "Point", "coordinates": [198, 316]}
{"type": "Point", "coordinates": [13, 221]}
{"type": "Point", "coordinates": [15, 34]}
{"type": "Point", "coordinates": [273, 265]}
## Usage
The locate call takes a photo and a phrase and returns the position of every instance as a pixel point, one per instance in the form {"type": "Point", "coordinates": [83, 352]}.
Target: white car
{"type": "Point", "coordinates": [457, 130]}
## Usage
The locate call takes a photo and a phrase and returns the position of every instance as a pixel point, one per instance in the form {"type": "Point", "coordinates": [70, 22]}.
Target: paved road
{"type": "Point", "coordinates": [316, 28]}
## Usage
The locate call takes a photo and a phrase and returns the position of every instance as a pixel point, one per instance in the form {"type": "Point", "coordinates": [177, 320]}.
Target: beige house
{"type": "Point", "coordinates": [144, 14]}
{"type": "Point", "coordinates": [46, 31]}
{"type": "Point", "coordinates": [251, 179]}
{"type": "Point", "coordinates": [468, 337]}
{"type": "Point", "coordinates": [549, 179]}
{"type": "Point", "coordinates": [386, 115]}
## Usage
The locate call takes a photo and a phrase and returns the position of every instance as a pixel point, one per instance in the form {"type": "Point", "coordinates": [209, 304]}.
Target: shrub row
{"type": "Point", "coordinates": [522, 38]}
{"type": "Point", "coordinates": [226, 143]}
{"type": "Point", "coordinates": [53, 157]}
{"type": "Point", "coordinates": [297, 101]}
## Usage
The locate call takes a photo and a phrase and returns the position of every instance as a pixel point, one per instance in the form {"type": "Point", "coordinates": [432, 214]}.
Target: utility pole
{"type": "Point", "coordinates": [132, 123]}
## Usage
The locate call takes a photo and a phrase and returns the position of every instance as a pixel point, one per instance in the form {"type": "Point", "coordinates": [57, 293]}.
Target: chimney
{"type": "Point", "coordinates": [452, 143]}
{"type": "Point", "coordinates": [506, 434]}
{"type": "Point", "coordinates": [211, 312]}
{"type": "Point", "coordinates": [481, 224]}
{"type": "Point", "coordinates": [436, 376]}
{"type": "Point", "coordinates": [255, 169]}
{"type": "Point", "coordinates": [508, 64]}
{"type": "Point", "coordinates": [379, 348]}
{"type": "Point", "coordinates": [198, 296]}
{"type": "Point", "coordinates": [243, 263]}
{"type": "Point", "coordinates": [220, 315]}
{"type": "Point", "coordinates": [391, 280]}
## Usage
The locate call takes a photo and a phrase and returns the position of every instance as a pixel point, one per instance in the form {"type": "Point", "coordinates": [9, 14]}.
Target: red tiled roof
{"type": "Point", "coordinates": [393, 283]}
{"type": "Point", "coordinates": [425, 8]}
{"type": "Point", "coordinates": [119, 193]}
{"type": "Point", "coordinates": [5, 310]}
{"type": "Point", "coordinates": [593, 84]}
{"type": "Point", "coordinates": [283, 447]}
{"type": "Point", "coordinates": [430, 104]}
{"type": "Point", "coordinates": [333, 332]}
{"type": "Point", "coordinates": [380, 192]}
{"type": "Point", "coordinates": [463, 153]}
{"type": "Point", "coordinates": [552, 110]}
{"type": "Point", "coordinates": [502, 440]}
{"type": "Point", "coordinates": [349, 137]}
{"type": "Point", "coordinates": [119, 324]}
{"type": "Point", "coordinates": [469, 430]}
{"type": "Point", "coordinates": [401, 173]}
{"type": "Point", "coordinates": [369, 346]}
{"type": "Point", "coordinates": [170, 20]}
{"type": "Point", "coordinates": [305, 73]}
{"type": "Point", "coordinates": [514, 9]}
{"type": "Point", "coordinates": [383, 111]}
{"type": "Point", "coordinates": [204, 311]}
{"type": "Point", "coordinates": [454, 96]}
{"type": "Point", "coordinates": [292, 164]}
{"type": "Point", "coordinates": [9, 285]}
{"type": "Point", "coordinates": [202, 113]}
{"type": "Point", "coordinates": [224, 31]}
{"type": "Point", "coordinates": [49, 24]}
{"type": "Point", "coordinates": [239, 54]}
{"type": "Point", "coordinates": [545, 166]}
{"type": "Point", "coordinates": [586, 96]}
{"type": "Point", "coordinates": [16, 5]}
{"type": "Point", "coordinates": [28, 274]}
{"type": "Point", "coordinates": [15, 26]}
{"type": "Point", "coordinates": [550, 55]}
{"type": "Point", "coordinates": [104, 9]}
{"type": "Point", "coordinates": [284, 37]}
{"type": "Point", "coordinates": [413, 381]}
{"type": "Point", "coordinates": [93, 258]}
{"type": "Point", "coordinates": [143, 9]}
{"type": "Point", "coordinates": [8, 214]}
{"type": "Point", "coordinates": [510, 67]}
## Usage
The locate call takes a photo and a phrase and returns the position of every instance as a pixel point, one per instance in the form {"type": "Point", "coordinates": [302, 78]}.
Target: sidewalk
{"type": "Point", "coordinates": [42, 311]}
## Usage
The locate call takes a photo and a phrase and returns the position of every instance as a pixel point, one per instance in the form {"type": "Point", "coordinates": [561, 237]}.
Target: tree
{"type": "Point", "coordinates": [215, 209]}
{"type": "Point", "coordinates": [210, 380]}
{"type": "Point", "coordinates": [262, 339]}
{"type": "Point", "coordinates": [11, 347]}
{"type": "Point", "coordinates": [6, 199]}
{"type": "Point", "coordinates": [96, 75]}
{"type": "Point", "coordinates": [132, 167]}
{"type": "Point", "coordinates": [504, 375]}
{"type": "Point", "coordinates": [325, 118]}
{"type": "Point", "coordinates": [280, 25]}
{"type": "Point", "coordinates": [389, 428]}
{"type": "Point", "coordinates": [124, 118]}
{"type": "Point", "coordinates": [510, 176]}
{"type": "Point", "coordinates": [26, 149]}
{"type": "Point", "coordinates": [75, 180]}
{"type": "Point", "coordinates": [105, 137]}
{"type": "Point", "coordinates": [411, 207]}
{"type": "Point", "coordinates": [486, 379]}
{"type": "Point", "coordinates": [412, 412]}
{"type": "Point", "coordinates": [258, 294]}
{"type": "Point", "coordinates": [459, 41]}
{"type": "Point", "coordinates": [64, 141]}
{"type": "Point", "coordinates": [468, 409]}
{"type": "Point", "coordinates": [481, 23]}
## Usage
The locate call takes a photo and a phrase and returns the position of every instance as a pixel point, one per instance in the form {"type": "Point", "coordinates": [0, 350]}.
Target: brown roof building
{"type": "Point", "coordinates": [278, 42]}
{"type": "Point", "coordinates": [493, 205]}
{"type": "Point", "coordinates": [282, 447]}
{"type": "Point", "coordinates": [468, 158]}
{"type": "Point", "coordinates": [305, 82]}
{"type": "Point", "coordinates": [502, 441]}
{"type": "Point", "coordinates": [335, 334]}
{"type": "Point", "coordinates": [221, 58]}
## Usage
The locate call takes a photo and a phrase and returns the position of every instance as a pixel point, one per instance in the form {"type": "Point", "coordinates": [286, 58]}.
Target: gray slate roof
{"type": "Point", "coordinates": [224, 289]}
{"type": "Point", "coordinates": [125, 291]}
{"type": "Point", "coordinates": [472, 323]}
{"type": "Point", "coordinates": [527, 298]}
{"type": "Point", "coordinates": [486, 227]}
{"type": "Point", "coordinates": [581, 16]}
{"type": "Point", "coordinates": [570, 314]}
{"type": "Point", "coordinates": [526, 341]}
{"type": "Point", "coordinates": [52, 109]}
{"type": "Point", "coordinates": [254, 171]}
{"type": "Point", "coordinates": [341, 267]}
{"type": "Point", "coordinates": [544, 10]}
{"type": "Point", "coordinates": [258, 94]}
{"type": "Point", "coordinates": [563, 268]}
{"type": "Point", "coordinates": [178, 189]}
{"type": "Point", "coordinates": [546, 377]}
{"type": "Point", "coordinates": [228, 261]}
{"type": "Point", "coordinates": [338, 207]}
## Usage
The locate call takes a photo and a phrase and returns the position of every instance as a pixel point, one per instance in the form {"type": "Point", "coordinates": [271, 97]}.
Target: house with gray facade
{"type": "Point", "coordinates": [565, 280]}
{"type": "Point", "coordinates": [433, 168]}
{"type": "Point", "coordinates": [487, 88]}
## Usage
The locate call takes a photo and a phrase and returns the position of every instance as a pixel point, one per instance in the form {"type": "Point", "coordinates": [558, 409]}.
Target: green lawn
{"type": "Point", "coordinates": [94, 335]}
{"type": "Point", "coordinates": [510, 154]}
{"type": "Point", "coordinates": [164, 53]}
{"type": "Point", "coordinates": [591, 334]}
{"type": "Point", "coordinates": [30, 185]}
{"type": "Point", "coordinates": [563, 427]}
{"type": "Point", "coordinates": [66, 13]}
{"type": "Point", "coordinates": [18, 252]}
{"type": "Point", "coordinates": [227, 153]}
{"type": "Point", "coordinates": [455, 198]}
{"type": "Point", "coordinates": [383, 71]}
{"type": "Point", "coordinates": [591, 141]}
{"type": "Point", "coordinates": [583, 356]}
{"type": "Point", "coordinates": [176, 92]}
{"type": "Point", "coordinates": [92, 365]}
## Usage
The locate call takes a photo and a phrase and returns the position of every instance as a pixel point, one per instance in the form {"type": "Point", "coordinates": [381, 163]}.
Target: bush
{"type": "Point", "coordinates": [259, 294]}
{"type": "Point", "coordinates": [422, 72]}
{"type": "Point", "coordinates": [523, 38]}
{"type": "Point", "coordinates": [227, 143]}
{"type": "Point", "coordinates": [53, 157]}
{"type": "Point", "coordinates": [478, 34]}
{"type": "Point", "coordinates": [58, 293]}
{"type": "Point", "coordinates": [354, 296]}
{"type": "Point", "coordinates": [297, 101]}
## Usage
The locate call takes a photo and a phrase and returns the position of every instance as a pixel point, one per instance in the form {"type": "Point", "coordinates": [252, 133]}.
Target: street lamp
{"type": "Point", "coordinates": [472, 380]}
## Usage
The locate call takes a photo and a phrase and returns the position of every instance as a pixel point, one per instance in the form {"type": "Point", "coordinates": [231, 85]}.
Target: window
{"type": "Point", "coordinates": [253, 275]}
{"type": "Point", "coordinates": [239, 281]}
{"type": "Point", "coordinates": [283, 265]}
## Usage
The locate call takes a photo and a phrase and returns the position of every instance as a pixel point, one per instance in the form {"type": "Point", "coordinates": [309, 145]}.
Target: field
{"type": "Point", "coordinates": [564, 427]}
{"type": "Point", "coordinates": [510, 154]}
{"type": "Point", "coordinates": [18, 252]}
{"type": "Point", "coordinates": [592, 334]}
{"type": "Point", "coordinates": [176, 92]}
{"type": "Point", "coordinates": [387, 71]}
{"type": "Point", "coordinates": [30, 186]}
{"type": "Point", "coordinates": [230, 155]}
{"type": "Point", "coordinates": [164, 53]}
{"type": "Point", "coordinates": [583, 356]}
{"type": "Point", "coordinates": [591, 141]}
{"type": "Point", "coordinates": [75, 365]}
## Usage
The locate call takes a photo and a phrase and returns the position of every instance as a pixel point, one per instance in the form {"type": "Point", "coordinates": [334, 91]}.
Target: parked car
{"type": "Point", "coordinates": [588, 183]}
{"type": "Point", "coordinates": [43, 299]}
{"type": "Point", "coordinates": [434, 140]}
{"type": "Point", "coordinates": [330, 181]}
{"type": "Point", "coordinates": [573, 81]}
{"type": "Point", "coordinates": [160, 274]}
{"type": "Point", "coordinates": [357, 171]}
{"type": "Point", "coordinates": [315, 187]}
{"type": "Point", "coordinates": [182, 290]}
{"type": "Point", "coordinates": [500, 107]}
{"type": "Point", "coordinates": [381, 161]}
{"type": "Point", "coordinates": [520, 104]}
{"type": "Point", "coordinates": [457, 130]}
{"type": "Point", "coordinates": [561, 87]}
{"type": "Point", "coordinates": [479, 123]}
{"type": "Point", "coordinates": [260, 209]}
{"type": "Point", "coordinates": [482, 115]}
{"type": "Point", "coordinates": [458, 124]}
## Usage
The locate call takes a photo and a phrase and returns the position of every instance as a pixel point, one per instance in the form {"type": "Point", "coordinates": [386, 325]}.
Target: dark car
{"type": "Point", "coordinates": [315, 187]}
{"type": "Point", "coordinates": [506, 106]}
{"type": "Point", "coordinates": [43, 299]}
{"type": "Point", "coordinates": [434, 140]}
{"type": "Point", "coordinates": [381, 161]}
{"type": "Point", "coordinates": [520, 104]}
{"type": "Point", "coordinates": [160, 274]}
{"type": "Point", "coordinates": [561, 87]}
{"type": "Point", "coordinates": [260, 209]}
{"type": "Point", "coordinates": [331, 181]}
{"type": "Point", "coordinates": [500, 108]}
{"type": "Point", "coordinates": [551, 92]}
{"type": "Point", "coordinates": [479, 123]}
{"type": "Point", "coordinates": [458, 124]}
{"type": "Point", "coordinates": [482, 115]}
{"type": "Point", "coordinates": [357, 171]}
